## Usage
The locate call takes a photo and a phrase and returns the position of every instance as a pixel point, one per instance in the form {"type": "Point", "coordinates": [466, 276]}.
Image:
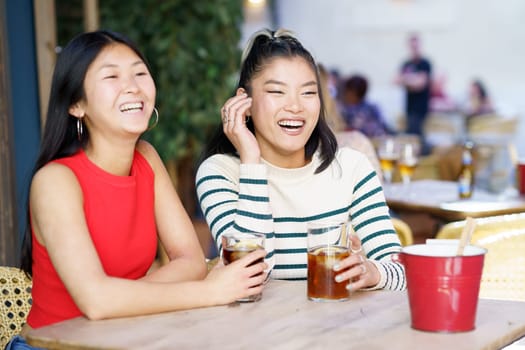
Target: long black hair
{"type": "Point", "coordinates": [264, 46]}
{"type": "Point", "coordinates": [61, 138]}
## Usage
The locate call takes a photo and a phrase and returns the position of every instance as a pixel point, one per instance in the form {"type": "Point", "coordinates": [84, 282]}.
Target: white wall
{"type": "Point", "coordinates": [462, 38]}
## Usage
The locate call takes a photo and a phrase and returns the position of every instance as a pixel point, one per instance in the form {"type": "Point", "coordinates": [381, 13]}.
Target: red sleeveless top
{"type": "Point", "coordinates": [119, 212]}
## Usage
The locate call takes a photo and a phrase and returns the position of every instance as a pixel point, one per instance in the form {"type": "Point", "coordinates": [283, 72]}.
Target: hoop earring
{"type": "Point", "coordinates": [156, 119]}
{"type": "Point", "coordinates": [80, 129]}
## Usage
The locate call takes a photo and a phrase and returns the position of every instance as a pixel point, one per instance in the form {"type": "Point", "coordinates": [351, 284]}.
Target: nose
{"type": "Point", "coordinates": [293, 104]}
{"type": "Point", "coordinates": [130, 84]}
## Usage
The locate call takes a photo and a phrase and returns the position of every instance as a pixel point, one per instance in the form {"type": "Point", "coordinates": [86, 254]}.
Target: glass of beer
{"type": "Point", "coordinates": [388, 154]}
{"type": "Point", "coordinates": [236, 245]}
{"type": "Point", "coordinates": [407, 162]}
{"type": "Point", "coordinates": [328, 244]}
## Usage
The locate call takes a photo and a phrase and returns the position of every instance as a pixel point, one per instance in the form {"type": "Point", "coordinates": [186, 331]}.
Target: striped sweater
{"type": "Point", "coordinates": [279, 202]}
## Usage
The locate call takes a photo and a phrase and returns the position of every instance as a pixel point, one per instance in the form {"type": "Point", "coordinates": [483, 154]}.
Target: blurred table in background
{"type": "Point", "coordinates": [438, 201]}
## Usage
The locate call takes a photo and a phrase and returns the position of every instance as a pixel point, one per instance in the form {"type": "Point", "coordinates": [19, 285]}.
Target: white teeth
{"type": "Point", "coordinates": [291, 123]}
{"type": "Point", "coordinates": [130, 106]}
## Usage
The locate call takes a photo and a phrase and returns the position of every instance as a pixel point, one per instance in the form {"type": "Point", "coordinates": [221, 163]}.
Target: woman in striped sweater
{"type": "Point", "coordinates": [274, 166]}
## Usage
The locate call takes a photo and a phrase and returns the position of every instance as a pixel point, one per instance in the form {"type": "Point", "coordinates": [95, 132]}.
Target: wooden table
{"type": "Point", "coordinates": [285, 319]}
{"type": "Point", "coordinates": [440, 199]}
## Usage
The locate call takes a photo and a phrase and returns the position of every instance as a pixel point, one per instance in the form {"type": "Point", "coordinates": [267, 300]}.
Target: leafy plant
{"type": "Point", "coordinates": [192, 48]}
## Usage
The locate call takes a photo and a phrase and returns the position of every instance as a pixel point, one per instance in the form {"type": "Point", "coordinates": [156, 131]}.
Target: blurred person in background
{"type": "Point", "coordinates": [440, 100]}
{"type": "Point", "coordinates": [358, 113]}
{"type": "Point", "coordinates": [478, 102]}
{"type": "Point", "coordinates": [334, 83]}
{"type": "Point", "coordinates": [350, 138]}
{"type": "Point", "coordinates": [415, 77]}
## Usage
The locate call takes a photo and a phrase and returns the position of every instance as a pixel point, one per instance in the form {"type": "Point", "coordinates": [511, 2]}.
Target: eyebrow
{"type": "Point", "coordinates": [112, 65]}
{"type": "Point", "coordinates": [277, 82]}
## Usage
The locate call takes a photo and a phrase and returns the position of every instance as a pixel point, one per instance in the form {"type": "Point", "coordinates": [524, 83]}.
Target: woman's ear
{"type": "Point", "coordinates": [241, 91]}
{"type": "Point", "coordinates": [76, 110]}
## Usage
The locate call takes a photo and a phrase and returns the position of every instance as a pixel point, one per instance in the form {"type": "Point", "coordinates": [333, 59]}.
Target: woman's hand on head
{"type": "Point", "coordinates": [234, 114]}
{"type": "Point", "coordinates": [240, 279]}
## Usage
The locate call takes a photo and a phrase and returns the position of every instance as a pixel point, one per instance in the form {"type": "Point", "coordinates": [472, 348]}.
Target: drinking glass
{"type": "Point", "coordinates": [328, 244]}
{"type": "Point", "coordinates": [236, 245]}
{"type": "Point", "coordinates": [407, 162]}
{"type": "Point", "coordinates": [388, 155]}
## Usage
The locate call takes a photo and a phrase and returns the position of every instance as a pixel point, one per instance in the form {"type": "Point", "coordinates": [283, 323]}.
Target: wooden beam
{"type": "Point", "coordinates": [46, 39]}
{"type": "Point", "coordinates": [91, 17]}
{"type": "Point", "coordinates": [8, 216]}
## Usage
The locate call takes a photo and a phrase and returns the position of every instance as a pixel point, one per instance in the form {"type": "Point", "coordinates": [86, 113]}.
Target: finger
{"type": "Point", "coordinates": [255, 289]}
{"type": "Point", "coordinates": [225, 110]}
{"type": "Point", "coordinates": [354, 286]}
{"type": "Point", "coordinates": [258, 279]}
{"type": "Point", "coordinates": [355, 244]}
{"type": "Point", "coordinates": [351, 274]}
{"type": "Point", "coordinates": [232, 101]}
{"type": "Point", "coordinates": [348, 262]}
{"type": "Point", "coordinates": [363, 269]}
{"type": "Point", "coordinates": [252, 257]}
{"type": "Point", "coordinates": [224, 115]}
{"type": "Point", "coordinates": [361, 280]}
{"type": "Point", "coordinates": [237, 114]}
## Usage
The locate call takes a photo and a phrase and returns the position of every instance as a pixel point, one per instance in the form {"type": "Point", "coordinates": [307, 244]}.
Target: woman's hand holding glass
{"type": "Point", "coordinates": [239, 280]}
{"type": "Point", "coordinates": [234, 114]}
{"type": "Point", "coordinates": [359, 271]}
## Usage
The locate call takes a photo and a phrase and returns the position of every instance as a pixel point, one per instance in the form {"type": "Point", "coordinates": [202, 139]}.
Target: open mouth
{"type": "Point", "coordinates": [291, 124]}
{"type": "Point", "coordinates": [131, 107]}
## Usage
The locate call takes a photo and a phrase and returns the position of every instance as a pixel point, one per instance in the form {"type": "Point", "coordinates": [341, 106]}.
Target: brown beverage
{"type": "Point", "coordinates": [236, 252]}
{"type": "Point", "coordinates": [321, 276]}
{"type": "Point", "coordinates": [239, 250]}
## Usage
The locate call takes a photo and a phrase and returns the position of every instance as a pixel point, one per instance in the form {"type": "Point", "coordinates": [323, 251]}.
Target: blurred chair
{"type": "Point", "coordinates": [427, 168]}
{"type": "Point", "coordinates": [403, 231]}
{"type": "Point", "coordinates": [492, 128]}
{"type": "Point", "coordinates": [504, 238]}
{"type": "Point", "coordinates": [15, 302]}
{"type": "Point", "coordinates": [443, 129]}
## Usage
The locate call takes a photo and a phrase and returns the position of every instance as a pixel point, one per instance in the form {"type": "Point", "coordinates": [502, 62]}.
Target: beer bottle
{"type": "Point", "coordinates": [466, 175]}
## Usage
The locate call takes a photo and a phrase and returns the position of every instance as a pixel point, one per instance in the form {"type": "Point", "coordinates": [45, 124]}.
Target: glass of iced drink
{"type": "Point", "coordinates": [328, 243]}
{"type": "Point", "coordinates": [235, 245]}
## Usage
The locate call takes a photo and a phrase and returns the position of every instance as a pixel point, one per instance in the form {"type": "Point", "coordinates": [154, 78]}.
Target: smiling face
{"type": "Point", "coordinates": [119, 94]}
{"type": "Point", "coordinates": [285, 109]}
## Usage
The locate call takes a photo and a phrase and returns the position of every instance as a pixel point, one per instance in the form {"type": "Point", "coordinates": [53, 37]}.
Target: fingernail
{"type": "Point", "coordinates": [337, 267]}
{"type": "Point", "coordinates": [349, 287]}
{"type": "Point", "coordinates": [338, 278]}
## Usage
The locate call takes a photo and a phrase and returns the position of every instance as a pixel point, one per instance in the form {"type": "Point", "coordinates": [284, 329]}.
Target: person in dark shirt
{"type": "Point", "coordinates": [415, 76]}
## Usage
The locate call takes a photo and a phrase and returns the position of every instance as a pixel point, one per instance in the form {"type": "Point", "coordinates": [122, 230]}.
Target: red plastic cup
{"type": "Point", "coordinates": [443, 288]}
{"type": "Point", "coordinates": [520, 176]}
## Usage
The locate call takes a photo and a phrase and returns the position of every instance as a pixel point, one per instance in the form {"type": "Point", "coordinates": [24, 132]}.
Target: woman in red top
{"type": "Point", "coordinates": [100, 197]}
